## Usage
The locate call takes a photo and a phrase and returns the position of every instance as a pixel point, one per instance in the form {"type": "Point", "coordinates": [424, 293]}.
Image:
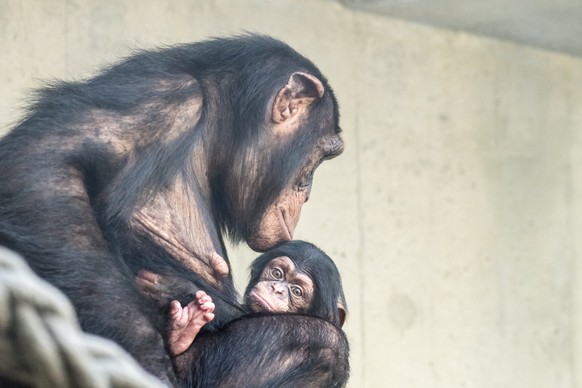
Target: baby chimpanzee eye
{"type": "Point", "coordinates": [297, 291]}
{"type": "Point", "coordinates": [277, 273]}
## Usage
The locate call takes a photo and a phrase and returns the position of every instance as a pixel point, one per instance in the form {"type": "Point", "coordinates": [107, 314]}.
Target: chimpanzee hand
{"type": "Point", "coordinates": [155, 287]}
{"type": "Point", "coordinates": [186, 322]}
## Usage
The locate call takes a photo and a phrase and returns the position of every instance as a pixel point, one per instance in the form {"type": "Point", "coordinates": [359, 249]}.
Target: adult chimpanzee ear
{"type": "Point", "coordinates": [301, 90]}
{"type": "Point", "coordinates": [342, 314]}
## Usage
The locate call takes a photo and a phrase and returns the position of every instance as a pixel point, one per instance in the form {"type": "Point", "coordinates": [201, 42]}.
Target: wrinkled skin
{"type": "Point", "coordinates": [281, 289]}
{"type": "Point", "coordinates": [186, 322]}
{"type": "Point", "coordinates": [279, 219]}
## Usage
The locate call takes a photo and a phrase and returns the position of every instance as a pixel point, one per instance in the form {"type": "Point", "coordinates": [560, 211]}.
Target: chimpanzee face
{"type": "Point", "coordinates": [281, 288]}
{"type": "Point", "coordinates": [293, 115]}
{"type": "Point", "coordinates": [278, 223]}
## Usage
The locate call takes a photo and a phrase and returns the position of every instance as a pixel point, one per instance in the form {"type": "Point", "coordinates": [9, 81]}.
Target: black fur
{"type": "Point", "coordinates": [281, 355]}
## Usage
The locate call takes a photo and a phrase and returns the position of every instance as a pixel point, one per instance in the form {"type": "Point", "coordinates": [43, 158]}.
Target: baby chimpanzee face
{"type": "Point", "coordinates": [281, 288]}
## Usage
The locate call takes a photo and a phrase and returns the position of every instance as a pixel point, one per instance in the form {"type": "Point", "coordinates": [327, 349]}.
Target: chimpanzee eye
{"type": "Point", "coordinates": [305, 181]}
{"type": "Point", "coordinates": [304, 184]}
{"type": "Point", "coordinates": [277, 273]}
{"type": "Point", "coordinates": [297, 291]}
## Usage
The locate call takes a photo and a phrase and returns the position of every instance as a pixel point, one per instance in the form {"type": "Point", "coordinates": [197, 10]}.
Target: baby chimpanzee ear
{"type": "Point", "coordinates": [341, 313]}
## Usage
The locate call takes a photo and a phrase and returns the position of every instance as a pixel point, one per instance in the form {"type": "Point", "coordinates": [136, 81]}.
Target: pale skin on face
{"type": "Point", "coordinates": [281, 288]}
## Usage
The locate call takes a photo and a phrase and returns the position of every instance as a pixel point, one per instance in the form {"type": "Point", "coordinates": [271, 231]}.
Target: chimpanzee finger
{"type": "Point", "coordinates": [203, 300]}
{"type": "Point", "coordinates": [219, 264]}
{"type": "Point", "coordinates": [175, 309]}
{"type": "Point", "coordinates": [208, 316]}
{"type": "Point", "coordinates": [208, 306]}
{"type": "Point", "coordinates": [147, 288]}
{"type": "Point", "coordinates": [147, 276]}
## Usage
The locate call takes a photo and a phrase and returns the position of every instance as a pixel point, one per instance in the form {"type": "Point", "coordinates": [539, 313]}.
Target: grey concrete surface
{"type": "Point", "coordinates": [549, 24]}
{"type": "Point", "coordinates": [454, 214]}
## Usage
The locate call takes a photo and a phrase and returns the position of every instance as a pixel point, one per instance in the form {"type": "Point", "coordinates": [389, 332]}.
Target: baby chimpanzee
{"type": "Point", "coordinates": [296, 277]}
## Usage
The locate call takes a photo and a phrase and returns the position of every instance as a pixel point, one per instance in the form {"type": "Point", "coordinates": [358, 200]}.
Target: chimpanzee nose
{"type": "Point", "coordinates": [278, 288]}
{"type": "Point", "coordinates": [307, 193]}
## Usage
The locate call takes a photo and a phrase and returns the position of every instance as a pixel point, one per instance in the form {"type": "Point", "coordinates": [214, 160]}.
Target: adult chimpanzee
{"type": "Point", "coordinates": [149, 165]}
{"type": "Point", "coordinates": [295, 277]}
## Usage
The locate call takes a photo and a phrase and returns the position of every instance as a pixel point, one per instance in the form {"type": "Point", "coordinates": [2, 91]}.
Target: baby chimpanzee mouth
{"type": "Point", "coordinates": [262, 301]}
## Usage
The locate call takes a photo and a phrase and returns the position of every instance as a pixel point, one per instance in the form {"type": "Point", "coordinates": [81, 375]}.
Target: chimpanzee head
{"type": "Point", "coordinates": [296, 277]}
{"type": "Point", "coordinates": [286, 124]}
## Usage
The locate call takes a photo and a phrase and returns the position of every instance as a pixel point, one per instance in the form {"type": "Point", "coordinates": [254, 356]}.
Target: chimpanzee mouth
{"type": "Point", "coordinates": [262, 301]}
{"type": "Point", "coordinates": [285, 223]}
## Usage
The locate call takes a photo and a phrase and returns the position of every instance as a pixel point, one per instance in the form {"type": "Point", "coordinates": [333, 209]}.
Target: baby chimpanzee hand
{"type": "Point", "coordinates": [186, 322]}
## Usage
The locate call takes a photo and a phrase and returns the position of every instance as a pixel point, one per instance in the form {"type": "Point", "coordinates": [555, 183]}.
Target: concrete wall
{"type": "Point", "coordinates": [454, 212]}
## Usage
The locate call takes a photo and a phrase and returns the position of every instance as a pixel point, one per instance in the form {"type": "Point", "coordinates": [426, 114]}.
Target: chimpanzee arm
{"type": "Point", "coordinates": [280, 350]}
{"type": "Point", "coordinates": [51, 222]}
{"type": "Point", "coordinates": [73, 173]}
